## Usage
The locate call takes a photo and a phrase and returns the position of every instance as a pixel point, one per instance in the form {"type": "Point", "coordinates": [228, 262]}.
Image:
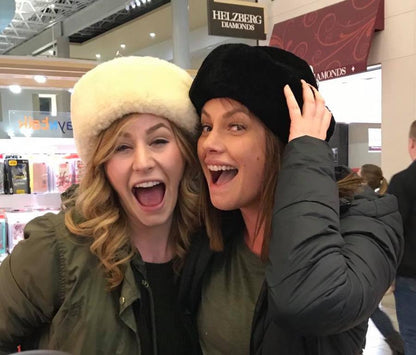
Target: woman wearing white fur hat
{"type": "Point", "coordinates": [100, 277]}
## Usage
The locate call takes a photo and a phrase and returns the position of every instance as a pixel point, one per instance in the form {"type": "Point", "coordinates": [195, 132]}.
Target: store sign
{"type": "Point", "coordinates": [334, 40]}
{"type": "Point", "coordinates": [374, 140]}
{"type": "Point", "coordinates": [39, 124]}
{"type": "Point", "coordinates": [241, 19]}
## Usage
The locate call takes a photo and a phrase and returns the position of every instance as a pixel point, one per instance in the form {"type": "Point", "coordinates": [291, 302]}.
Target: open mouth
{"type": "Point", "coordinates": [149, 193]}
{"type": "Point", "coordinates": [221, 174]}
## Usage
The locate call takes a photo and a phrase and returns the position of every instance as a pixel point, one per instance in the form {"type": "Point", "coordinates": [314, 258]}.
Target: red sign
{"type": "Point", "coordinates": [334, 40]}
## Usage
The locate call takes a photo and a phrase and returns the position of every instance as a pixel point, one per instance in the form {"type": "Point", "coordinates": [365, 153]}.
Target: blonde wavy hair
{"type": "Point", "coordinates": [96, 211]}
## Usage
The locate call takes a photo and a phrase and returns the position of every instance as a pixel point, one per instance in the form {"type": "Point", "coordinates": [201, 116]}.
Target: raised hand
{"type": "Point", "coordinates": [314, 119]}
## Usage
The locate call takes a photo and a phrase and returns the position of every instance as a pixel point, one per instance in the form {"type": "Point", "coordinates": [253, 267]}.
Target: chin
{"type": "Point", "coordinates": [224, 205]}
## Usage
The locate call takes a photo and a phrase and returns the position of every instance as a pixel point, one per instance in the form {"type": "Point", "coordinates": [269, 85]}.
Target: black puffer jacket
{"type": "Point", "coordinates": [326, 273]}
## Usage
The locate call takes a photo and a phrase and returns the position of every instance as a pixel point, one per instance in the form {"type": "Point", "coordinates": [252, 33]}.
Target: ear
{"type": "Point", "coordinates": [412, 148]}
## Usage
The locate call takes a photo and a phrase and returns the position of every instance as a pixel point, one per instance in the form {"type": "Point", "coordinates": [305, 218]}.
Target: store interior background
{"type": "Point", "coordinates": [382, 98]}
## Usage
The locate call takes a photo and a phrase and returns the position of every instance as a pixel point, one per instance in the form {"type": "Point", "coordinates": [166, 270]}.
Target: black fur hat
{"type": "Point", "coordinates": [254, 76]}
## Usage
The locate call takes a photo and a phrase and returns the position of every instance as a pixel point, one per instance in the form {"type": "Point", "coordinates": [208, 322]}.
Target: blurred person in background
{"type": "Point", "coordinates": [374, 179]}
{"type": "Point", "coordinates": [403, 186]}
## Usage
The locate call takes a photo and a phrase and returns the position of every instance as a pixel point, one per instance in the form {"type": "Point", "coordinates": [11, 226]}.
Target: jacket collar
{"type": "Point", "coordinates": [130, 291]}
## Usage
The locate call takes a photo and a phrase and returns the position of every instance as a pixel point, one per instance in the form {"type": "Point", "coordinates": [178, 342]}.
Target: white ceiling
{"type": "Point", "coordinates": [31, 17]}
{"type": "Point", "coordinates": [356, 98]}
{"type": "Point", "coordinates": [34, 27]}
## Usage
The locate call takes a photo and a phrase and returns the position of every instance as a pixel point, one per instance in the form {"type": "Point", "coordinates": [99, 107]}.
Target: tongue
{"type": "Point", "coordinates": [150, 196]}
{"type": "Point", "coordinates": [226, 176]}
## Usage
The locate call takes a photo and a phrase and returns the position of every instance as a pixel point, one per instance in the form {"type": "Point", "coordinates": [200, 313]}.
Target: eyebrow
{"type": "Point", "coordinates": [156, 127]}
{"type": "Point", "coordinates": [229, 114]}
{"type": "Point", "coordinates": [148, 131]}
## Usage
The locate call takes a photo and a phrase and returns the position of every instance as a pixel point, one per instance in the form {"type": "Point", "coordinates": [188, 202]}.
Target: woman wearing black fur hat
{"type": "Point", "coordinates": [283, 269]}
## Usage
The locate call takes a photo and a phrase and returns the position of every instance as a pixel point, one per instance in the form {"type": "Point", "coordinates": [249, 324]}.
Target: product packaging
{"type": "Point", "coordinates": [63, 175]}
{"type": "Point", "coordinates": [3, 236]}
{"type": "Point", "coordinates": [40, 177]}
{"type": "Point", "coordinates": [2, 177]}
{"type": "Point", "coordinates": [17, 178]}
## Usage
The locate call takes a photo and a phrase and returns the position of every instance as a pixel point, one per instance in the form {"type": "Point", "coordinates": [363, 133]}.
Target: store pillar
{"type": "Point", "coordinates": [180, 33]}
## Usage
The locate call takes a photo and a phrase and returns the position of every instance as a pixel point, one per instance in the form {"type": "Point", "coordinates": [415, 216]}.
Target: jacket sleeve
{"type": "Point", "coordinates": [325, 275]}
{"type": "Point", "coordinates": [30, 284]}
{"type": "Point", "coordinates": [403, 188]}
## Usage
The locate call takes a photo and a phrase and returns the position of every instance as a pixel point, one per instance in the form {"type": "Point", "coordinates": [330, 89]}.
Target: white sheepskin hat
{"type": "Point", "coordinates": [127, 85]}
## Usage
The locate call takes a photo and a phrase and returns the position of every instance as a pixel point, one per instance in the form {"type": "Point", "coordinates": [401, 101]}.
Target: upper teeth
{"type": "Point", "coordinates": [148, 184]}
{"type": "Point", "coordinates": [220, 167]}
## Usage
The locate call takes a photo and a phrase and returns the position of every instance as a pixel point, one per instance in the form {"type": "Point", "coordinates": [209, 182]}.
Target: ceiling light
{"type": "Point", "coordinates": [138, 2]}
{"type": "Point", "coordinates": [41, 79]}
{"type": "Point", "coordinates": [122, 46]}
{"type": "Point", "coordinates": [15, 89]}
{"type": "Point", "coordinates": [152, 34]}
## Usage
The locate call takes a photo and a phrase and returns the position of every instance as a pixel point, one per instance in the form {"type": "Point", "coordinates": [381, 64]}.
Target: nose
{"type": "Point", "coordinates": [143, 159]}
{"type": "Point", "coordinates": [211, 141]}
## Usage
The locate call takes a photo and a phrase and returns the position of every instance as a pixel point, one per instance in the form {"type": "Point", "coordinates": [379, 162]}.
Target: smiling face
{"type": "Point", "coordinates": [145, 170]}
{"type": "Point", "coordinates": [231, 150]}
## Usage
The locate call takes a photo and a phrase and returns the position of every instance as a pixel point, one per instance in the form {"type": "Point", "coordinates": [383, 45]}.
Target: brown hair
{"type": "Point", "coordinates": [212, 217]}
{"type": "Point", "coordinates": [373, 176]}
{"type": "Point", "coordinates": [349, 185]}
{"type": "Point", "coordinates": [98, 214]}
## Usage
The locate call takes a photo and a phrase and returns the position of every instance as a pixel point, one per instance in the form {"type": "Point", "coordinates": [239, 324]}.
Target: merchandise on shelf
{"type": "Point", "coordinates": [16, 175]}
{"type": "Point", "coordinates": [16, 222]}
{"type": "Point", "coordinates": [1, 176]}
{"type": "Point", "coordinates": [3, 235]}
{"type": "Point", "coordinates": [39, 174]}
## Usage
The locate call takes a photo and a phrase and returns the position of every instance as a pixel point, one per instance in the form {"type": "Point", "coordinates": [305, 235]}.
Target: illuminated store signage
{"type": "Point", "coordinates": [39, 124]}
{"type": "Point", "coordinates": [236, 19]}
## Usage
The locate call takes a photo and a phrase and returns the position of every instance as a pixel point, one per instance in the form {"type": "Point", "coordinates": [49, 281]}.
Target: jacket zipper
{"type": "Point", "coordinates": [146, 285]}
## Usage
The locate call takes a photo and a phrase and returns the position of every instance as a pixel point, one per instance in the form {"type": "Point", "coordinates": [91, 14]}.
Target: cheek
{"type": "Point", "coordinates": [199, 149]}
{"type": "Point", "coordinates": [176, 164]}
{"type": "Point", "coordinates": [111, 169]}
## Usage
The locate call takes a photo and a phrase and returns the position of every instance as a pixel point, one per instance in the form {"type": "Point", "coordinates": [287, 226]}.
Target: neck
{"type": "Point", "coordinates": [253, 236]}
{"type": "Point", "coordinates": [153, 244]}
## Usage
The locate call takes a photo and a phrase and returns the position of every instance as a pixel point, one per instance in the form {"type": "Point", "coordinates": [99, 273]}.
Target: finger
{"type": "Point", "coordinates": [323, 114]}
{"type": "Point", "coordinates": [292, 104]}
{"type": "Point", "coordinates": [320, 108]}
{"type": "Point", "coordinates": [318, 97]}
{"type": "Point", "coordinates": [308, 108]}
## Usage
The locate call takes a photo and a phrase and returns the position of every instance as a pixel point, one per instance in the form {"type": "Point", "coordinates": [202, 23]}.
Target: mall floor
{"type": "Point", "coordinates": [375, 344]}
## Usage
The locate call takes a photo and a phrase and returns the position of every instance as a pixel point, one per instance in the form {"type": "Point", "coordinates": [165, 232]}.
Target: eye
{"type": "Point", "coordinates": [159, 141]}
{"type": "Point", "coordinates": [205, 128]}
{"type": "Point", "coordinates": [237, 127]}
{"type": "Point", "coordinates": [121, 148]}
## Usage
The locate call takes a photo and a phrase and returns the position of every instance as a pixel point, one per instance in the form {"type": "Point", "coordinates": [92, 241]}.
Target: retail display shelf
{"type": "Point", "coordinates": [30, 146]}
{"type": "Point", "coordinates": [23, 202]}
